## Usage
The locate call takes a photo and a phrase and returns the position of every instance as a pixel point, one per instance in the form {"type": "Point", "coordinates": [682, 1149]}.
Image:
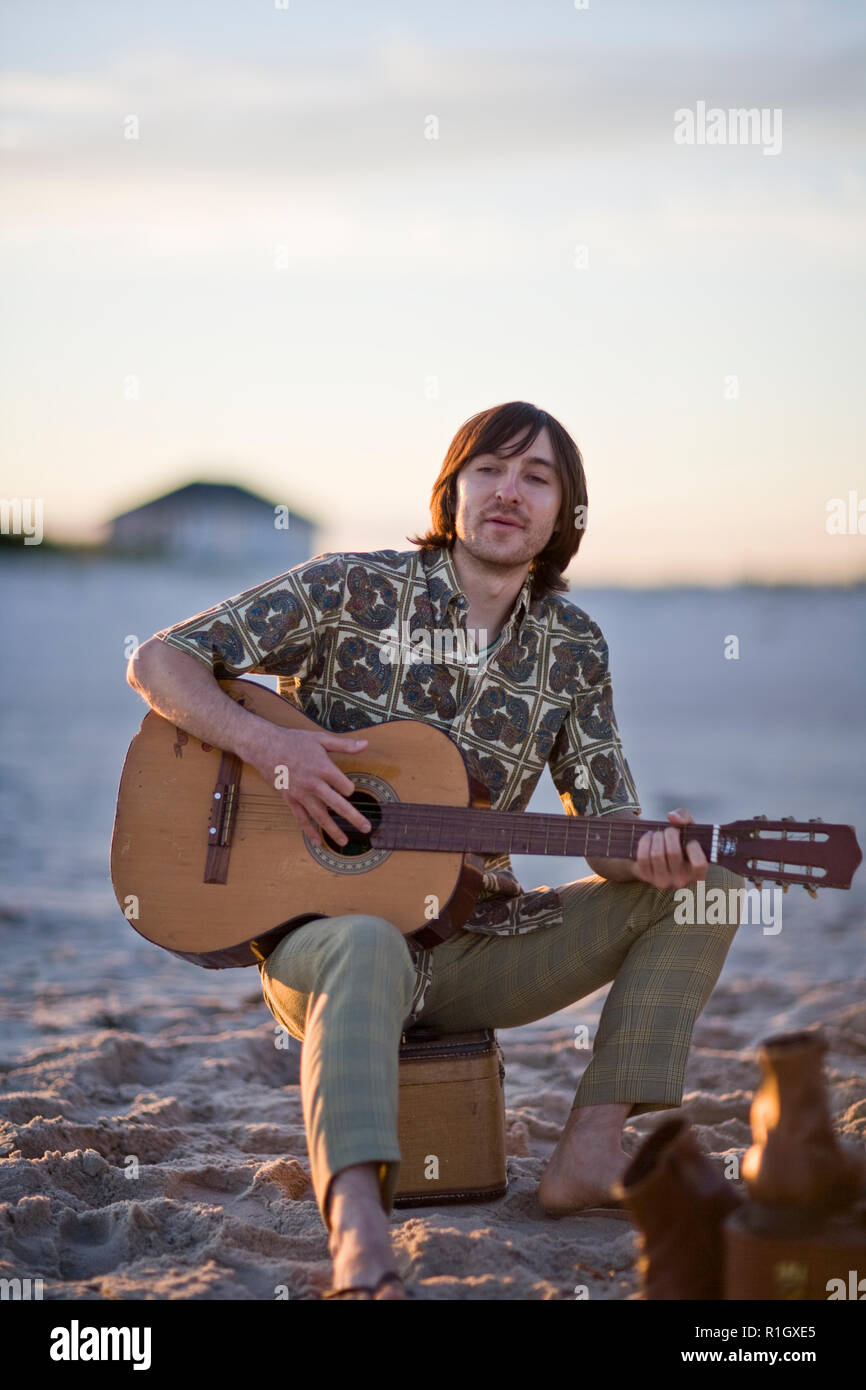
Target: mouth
{"type": "Point", "coordinates": [504, 525]}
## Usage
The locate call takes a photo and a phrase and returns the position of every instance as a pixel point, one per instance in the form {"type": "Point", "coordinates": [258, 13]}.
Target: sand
{"type": "Point", "coordinates": [153, 1145]}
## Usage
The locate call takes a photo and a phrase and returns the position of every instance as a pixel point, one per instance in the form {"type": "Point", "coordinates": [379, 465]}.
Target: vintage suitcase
{"type": "Point", "coordinates": [451, 1118]}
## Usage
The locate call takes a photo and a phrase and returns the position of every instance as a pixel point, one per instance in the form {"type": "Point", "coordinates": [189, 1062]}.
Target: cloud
{"type": "Point", "coordinates": [325, 157]}
{"type": "Point", "coordinates": [294, 116]}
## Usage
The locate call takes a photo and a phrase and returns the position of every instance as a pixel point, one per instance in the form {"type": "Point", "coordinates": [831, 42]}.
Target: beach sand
{"type": "Point", "coordinates": [153, 1144]}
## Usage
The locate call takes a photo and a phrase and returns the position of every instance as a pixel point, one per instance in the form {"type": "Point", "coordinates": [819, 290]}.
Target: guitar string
{"type": "Point", "coordinates": [476, 818]}
{"type": "Point", "coordinates": [808, 873]}
{"type": "Point", "coordinates": [819, 831]}
{"type": "Point", "coordinates": [422, 817]}
{"type": "Point", "coordinates": [469, 821]}
{"type": "Point", "coordinates": [794, 833]}
{"type": "Point", "coordinates": [524, 822]}
{"type": "Point", "coordinates": [620, 837]}
{"type": "Point", "coordinates": [471, 828]}
{"type": "Point", "coordinates": [617, 847]}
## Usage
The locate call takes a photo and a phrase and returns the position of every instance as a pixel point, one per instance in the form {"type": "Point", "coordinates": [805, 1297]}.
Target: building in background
{"type": "Point", "coordinates": [215, 524]}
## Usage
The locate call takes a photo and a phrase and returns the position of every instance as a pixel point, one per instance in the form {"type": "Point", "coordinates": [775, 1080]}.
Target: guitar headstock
{"type": "Point", "coordinates": [786, 851]}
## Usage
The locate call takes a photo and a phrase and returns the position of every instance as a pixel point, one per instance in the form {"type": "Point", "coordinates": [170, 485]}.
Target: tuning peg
{"type": "Point", "coordinates": [759, 884]}
{"type": "Point", "coordinates": [786, 818]}
{"type": "Point", "coordinates": [785, 887]}
{"type": "Point", "coordinates": [813, 892]}
{"type": "Point", "coordinates": [760, 817]}
{"type": "Point", "coordinates": [814, 819]}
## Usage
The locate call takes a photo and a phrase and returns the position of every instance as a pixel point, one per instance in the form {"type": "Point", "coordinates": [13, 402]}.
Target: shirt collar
{"type": "Point", "coordinates": [443, 586]}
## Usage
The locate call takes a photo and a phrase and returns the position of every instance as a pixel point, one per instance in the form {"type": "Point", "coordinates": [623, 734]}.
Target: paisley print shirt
{"type": "Point", "coordinates": [343, 634]}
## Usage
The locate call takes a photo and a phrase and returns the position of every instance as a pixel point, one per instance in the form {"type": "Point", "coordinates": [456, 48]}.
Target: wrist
{"type": "Point", "coordinates": [251, 736]}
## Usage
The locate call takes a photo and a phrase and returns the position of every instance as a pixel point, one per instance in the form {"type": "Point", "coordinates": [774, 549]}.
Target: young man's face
{"type": "Point", "coordinates": [523, 491]}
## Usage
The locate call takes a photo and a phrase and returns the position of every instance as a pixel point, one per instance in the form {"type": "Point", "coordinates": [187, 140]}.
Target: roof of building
{"type": "Point", "coordinates": [201, 493]}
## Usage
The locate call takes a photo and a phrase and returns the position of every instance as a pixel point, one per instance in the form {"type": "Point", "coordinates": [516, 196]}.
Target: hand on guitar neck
{"type": "Point", "coordinates": [660, 859]}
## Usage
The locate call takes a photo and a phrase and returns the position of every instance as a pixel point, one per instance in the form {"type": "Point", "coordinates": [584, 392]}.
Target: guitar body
{"type": "Point", "coordinates": [231, 905]}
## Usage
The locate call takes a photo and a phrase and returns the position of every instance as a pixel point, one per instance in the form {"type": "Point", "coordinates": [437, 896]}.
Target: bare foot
{"type": "Point", "coordinates": [587, 1161]}
{"type": "Point", "coordinates": [360, 1238]}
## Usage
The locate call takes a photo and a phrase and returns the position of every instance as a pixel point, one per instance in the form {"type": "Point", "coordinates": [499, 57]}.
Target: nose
{"type": "Point", "coordinates": [508, 490]}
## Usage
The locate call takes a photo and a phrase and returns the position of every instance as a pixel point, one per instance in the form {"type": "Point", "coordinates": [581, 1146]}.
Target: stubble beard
{"type": "Point", "coordinates": [485, 551]}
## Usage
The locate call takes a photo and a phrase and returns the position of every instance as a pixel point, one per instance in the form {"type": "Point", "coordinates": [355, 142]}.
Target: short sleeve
{"type": "Point", "coordinates": [587, 763]}
{"type": "Point", "coordinates": [272, 629]}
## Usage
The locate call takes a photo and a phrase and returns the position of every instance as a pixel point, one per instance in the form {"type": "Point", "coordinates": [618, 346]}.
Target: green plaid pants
{"type": "Point", "coordinates": [344, 986]}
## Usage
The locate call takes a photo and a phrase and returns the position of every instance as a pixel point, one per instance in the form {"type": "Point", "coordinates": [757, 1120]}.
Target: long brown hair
{"type": "Point", "coordinates": [488, 433]}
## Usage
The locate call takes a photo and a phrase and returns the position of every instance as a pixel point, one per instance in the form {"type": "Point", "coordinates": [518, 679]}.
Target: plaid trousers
{"type": "Point", "coordinates": [344, 986]}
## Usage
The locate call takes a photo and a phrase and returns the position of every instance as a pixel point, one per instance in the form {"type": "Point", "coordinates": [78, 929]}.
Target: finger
{"type": "Point", "coordinates": [342, 807]}
{"type": "Point", "coordinates": [322, 817]}
{"type": "Point", "coordinates": [306, 824]}
{"type": "Point", "coordinates": [683, 816]}
{"type": "Point", "coordinates": [658, 858]}
{"type": "Point", "coordinates": [673, 849]}
{"type": "Point", "coordinates": [333, 777]}
{"type": "Point", "coordinates": [348, 743]}
{"type": "Point", "coordinates": [336, 777]}
{"type": "Point", "coordinates": [681, 868]}
{"type": "Point", "coordinates": [697, 859]}
{"type": "Point", "coordinates": [300, 814]}
{"type": "Point", "coordinates": [642, 856]}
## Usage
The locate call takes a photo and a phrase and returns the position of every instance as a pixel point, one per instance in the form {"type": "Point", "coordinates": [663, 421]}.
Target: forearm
{"type": "Point", "coordinates": [182, 690]}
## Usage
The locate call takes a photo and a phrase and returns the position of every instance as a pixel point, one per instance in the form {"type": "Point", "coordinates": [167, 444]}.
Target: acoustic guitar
{"type": "Point", "coordinates": [208, 861]}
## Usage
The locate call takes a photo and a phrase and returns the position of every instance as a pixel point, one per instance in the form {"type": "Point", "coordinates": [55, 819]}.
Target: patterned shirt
{"type": "Point", "coordinates": [360, 637]}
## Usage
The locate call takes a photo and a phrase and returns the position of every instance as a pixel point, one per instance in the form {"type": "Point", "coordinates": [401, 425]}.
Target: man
{"type": "Point", "coordinates": [509, 512]}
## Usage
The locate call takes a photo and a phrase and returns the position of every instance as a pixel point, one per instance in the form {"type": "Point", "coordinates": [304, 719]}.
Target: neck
{"type": "Point", "coordinates": [482, 831]}
{"type": "Point", "coordinates": [490, 589]}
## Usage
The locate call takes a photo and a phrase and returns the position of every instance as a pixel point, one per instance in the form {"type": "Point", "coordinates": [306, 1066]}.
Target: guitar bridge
{"type": "Point", "coordinates": [221, 821]}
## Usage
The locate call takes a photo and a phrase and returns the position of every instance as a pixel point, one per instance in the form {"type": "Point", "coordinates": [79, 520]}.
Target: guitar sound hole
{"type": "Point", "coordinates": [359, 842]}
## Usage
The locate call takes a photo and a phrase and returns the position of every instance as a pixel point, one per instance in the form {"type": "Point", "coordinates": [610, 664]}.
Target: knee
{"type": "Point", "coordinates": [724, 895]}
{"type": "Point", "coordinates": [733, 886]}
{"type": "Point", "coordinates": [360, 931]}
{"type": "Point", "coordinates": [715, 901]}
{"type": "Point", "coordinates": [719, 876]}
{"type": "Point", "coordinates": [360, 941]}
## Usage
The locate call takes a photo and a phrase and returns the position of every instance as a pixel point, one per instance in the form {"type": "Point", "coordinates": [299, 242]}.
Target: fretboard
{"type": "Point", "coordinates": [448, 828]}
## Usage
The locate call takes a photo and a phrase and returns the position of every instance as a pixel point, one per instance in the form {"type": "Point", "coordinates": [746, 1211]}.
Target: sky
{"type": "Point", "coordinates": [295, 246]}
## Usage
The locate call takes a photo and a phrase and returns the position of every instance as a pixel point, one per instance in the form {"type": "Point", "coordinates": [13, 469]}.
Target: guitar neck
{"type": "Point", "coordinates": [810, 853]}
{"type": "Point", "coordinates": [448, 828]}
